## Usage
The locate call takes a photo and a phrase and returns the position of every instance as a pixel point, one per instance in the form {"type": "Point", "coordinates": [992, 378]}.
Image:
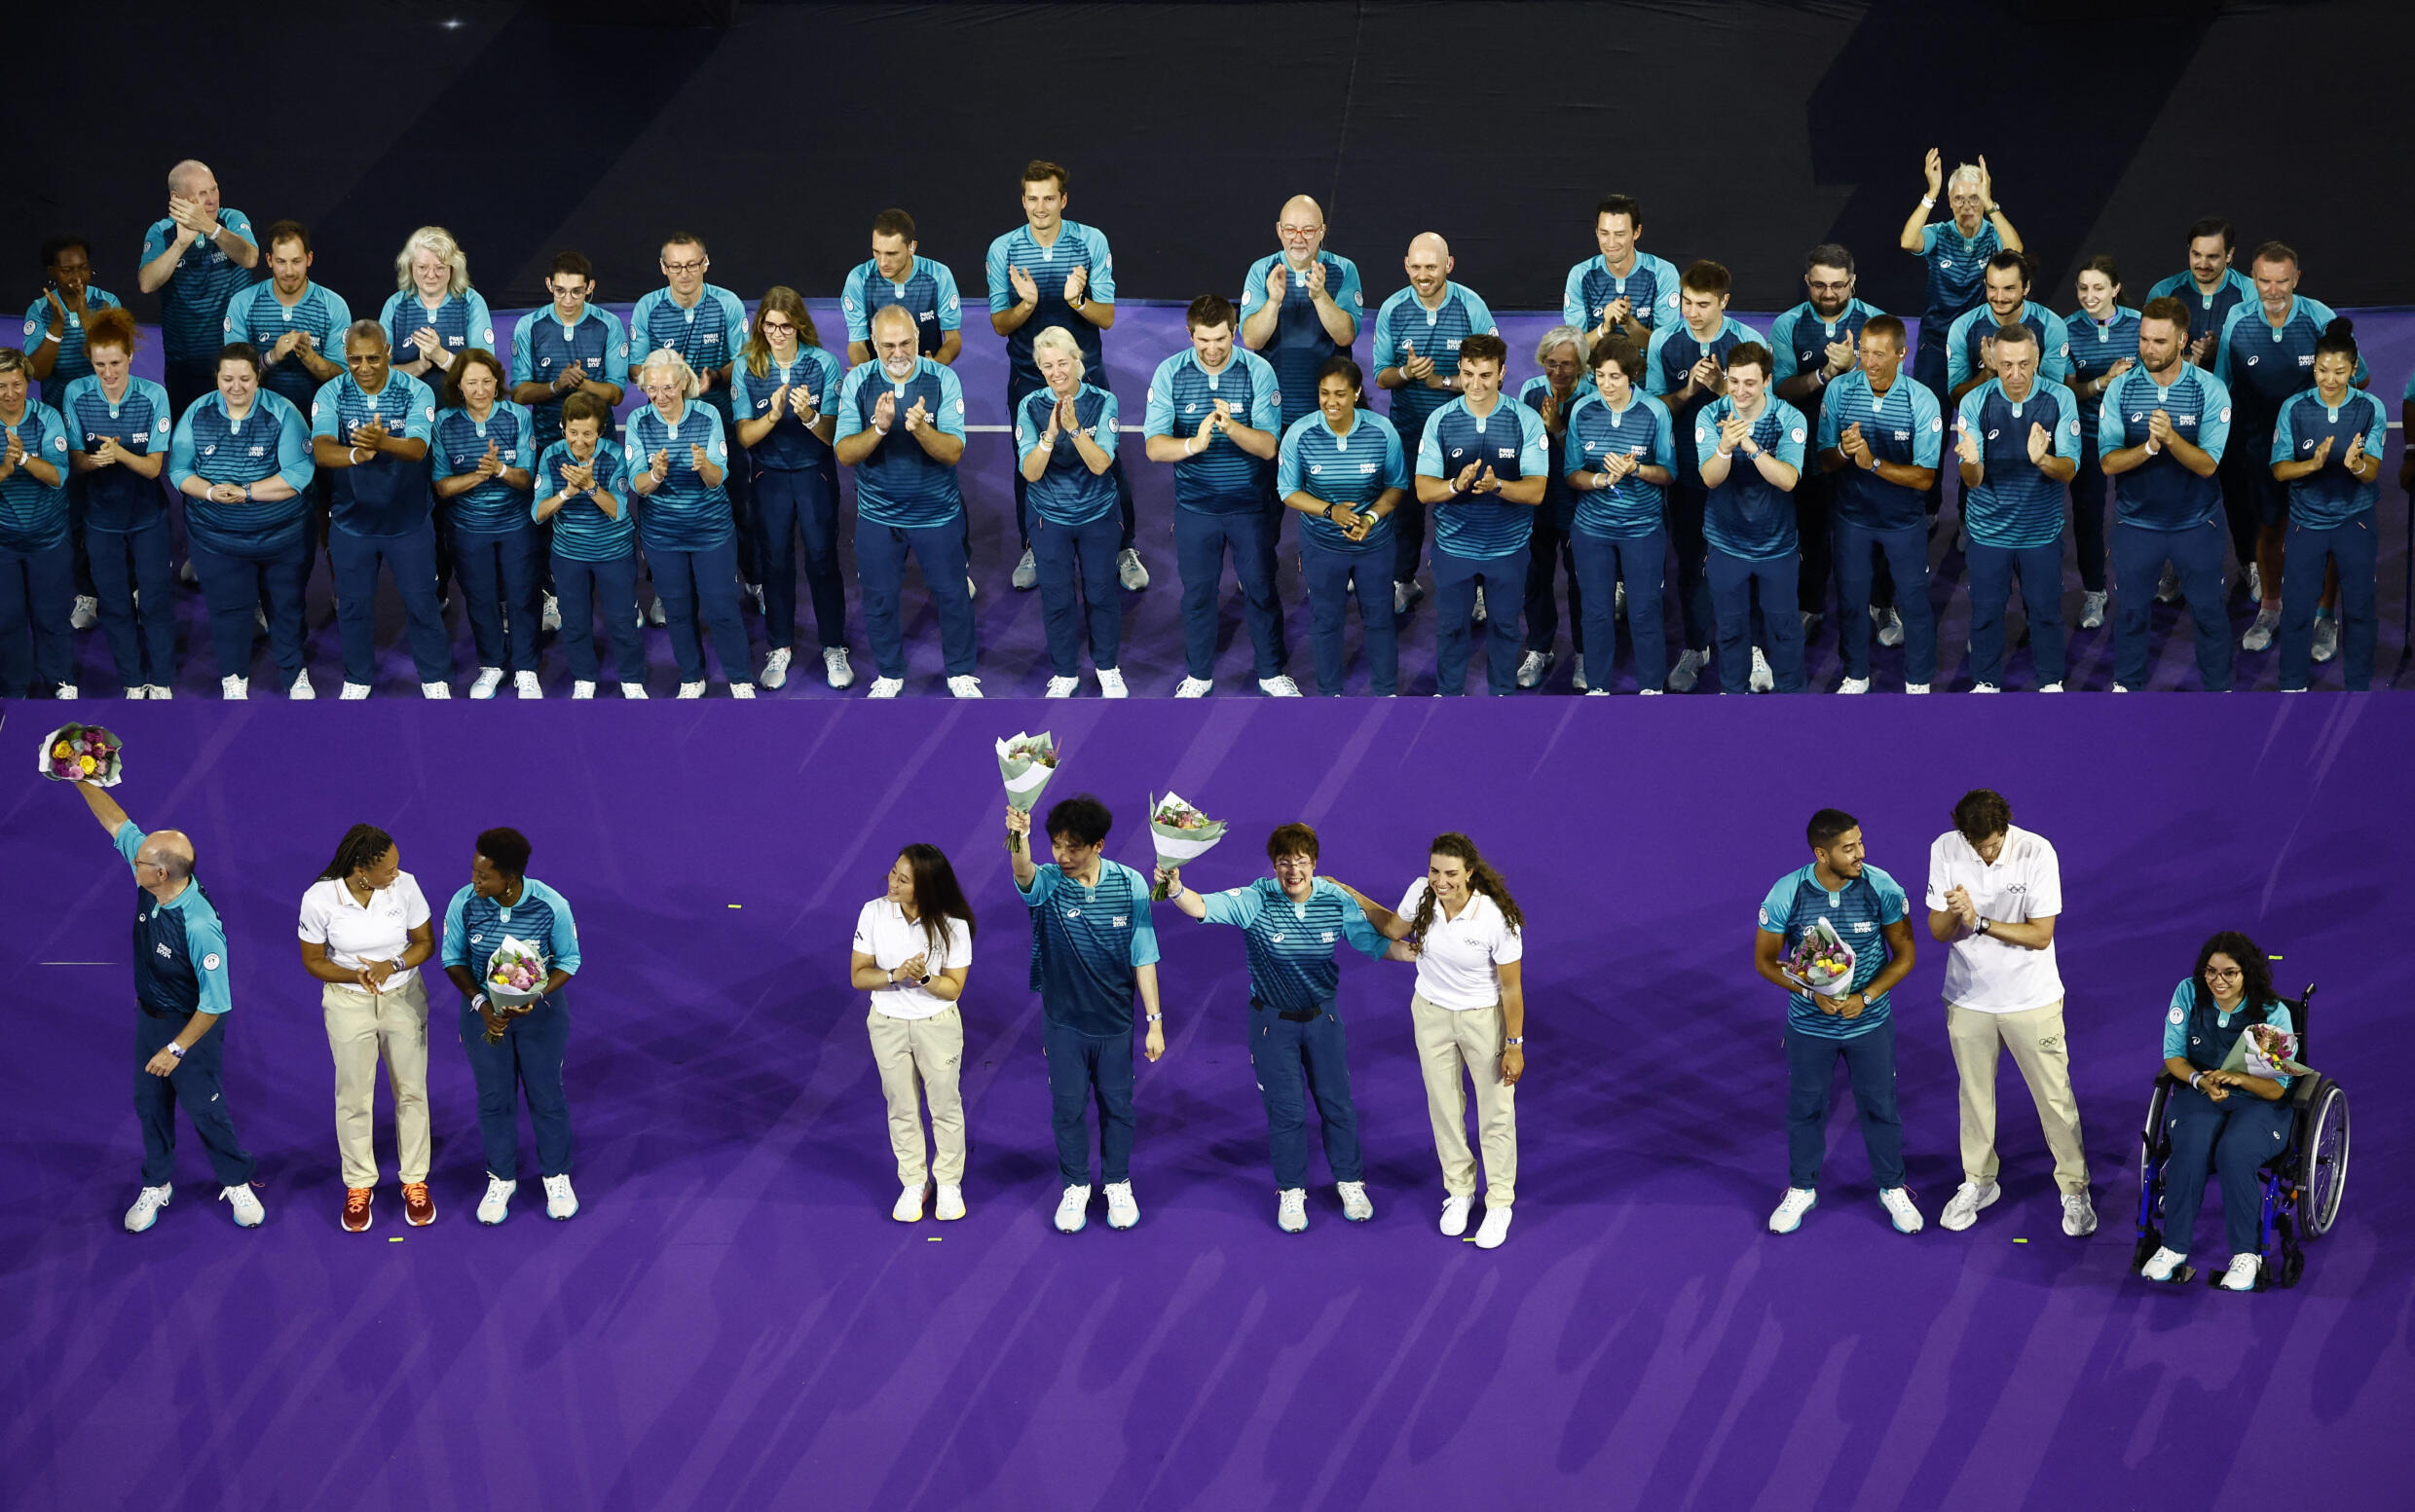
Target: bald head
{"type": "Point", "coordinates": [187, 176]}
{"type": "Point", "coordinates": [893, 317]}
{"type": "Point", "coordinates": [170, 850]}
{"type": "Point", "coordinates": [1428, 266]}
{"type": "Point", "coordinates": [1301, 228]}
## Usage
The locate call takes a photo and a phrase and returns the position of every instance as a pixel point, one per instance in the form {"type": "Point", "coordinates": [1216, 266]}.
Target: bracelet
{"type": "Point", "coordinates": [1996, 209]}
{"type": "Point", "coordinates": [2193, 1076]}
{"type": "Point", "coordinates": [174, 1049]}
{"type": "Point", "coordinates": [1156, 1017]}
{"type": "Point", "coordinates": [49, 336]}
{"type": "Point", "coordinates": [1186, 445]}
{"type": "Point", "coordinates": [1514, 1042]}
{"type": "Point", "coordinates": [1928, 202]}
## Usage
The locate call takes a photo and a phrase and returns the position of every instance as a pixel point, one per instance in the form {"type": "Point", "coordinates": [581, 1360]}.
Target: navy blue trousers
{"type": "Point", "coordinates": [1991, 570]}
{"type": "Point", "coordinates": [2139, 558]}
{"type": "Point", "coordinates": [880, 567]}
{"type": "Point", "coordinates": [703, 585]}
{"type": "Point", "coordinates": [789, 503]}
{"type": "Point", "coordinates": [412, 558]}
{"type": "Point", "coordinates": [1810, 1075]}
{"type": "Point", "coordinates": [1077, 569]}
{"type": "Point", "coordinates": [37, 596]}
{"type": "Point", "coordinates": [1907, 554]}
{"type": "Point", "coordinates": [233, 586]}
{"type": "Point", "coordinates": [2230, 1138]}
{"type": "Point", "coordinates": [2088, 506]}
{"type": "Point", "coordinates": [501, 592]}
{"type": "Point", "coordinates": [1330, 577]}
{"type": "Point", "coordinates": [1299, 1059]}
{"type": "Point", "coordinates": [1081, 1068]}
{"type": "Point", "coordinates": [527, 1061]}
{"type": "Point", "coordinates": [586, 589]}
{"type": "Point", "coordinates": [1601, 561]}
{"type": "Point", "coordinates": [1200, 543]}
{"type": "Point", "coordinates": [2354, 545]}
{"type": "Point", "coordinates": [196, 1086]}
{"type": "Point", "coordinates": [1552, 555]}
{"type": "Point", "coordinates": [1455, 607]}
{"type": "Point", "coordinates": [143, 638]}
{"type": "Point", "coordinates": [1740, 585]}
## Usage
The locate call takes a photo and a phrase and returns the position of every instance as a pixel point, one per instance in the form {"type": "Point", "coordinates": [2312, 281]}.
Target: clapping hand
{"type": "Point", "coordinates": [13, 454]}
{"type": "Point", "coordinates": [369, 436]}
{"type": "Point", "coordinates": [2040, 442]}
{"type": "Point", "coordinates": [660, 467]}
{"type": "Point", "coordinates": [285, 344]}
{"type": "Point", "coordinates": [1064, 418]}
{"type": "Point", "coordinates": [1733, 432]}
{"type": "Point", "coordinates": [2159, 428]}
{"type": "Point", "coordinates": [427, 342]}
{"type": "Point", "coordinates": [916, 417]}
{"type": "Point", "coordinates": [884, 412]}
{"type": "Point", "coordinates": [1550, 411]}
{"type": "Point", "coordinates": [914, 970]}
{"type": "Point", "coordinates": [105, 451]}
{"type": "Point", "coordinates": [1278, 283]}
{"type": "Point", "coordinates": [1616, 465]}
{"type": "Point", "coordinates": [1466, 482]}
{"type": "Point", "coordinates": [1075, 282]}
{"type": "Point", "coordinates": [492, 462]}
{"type": "Point", "coordinates": [1313, 279]}
{"type": "Point", "coordinates": [191, 219]}
{"type": "Point", "coordinates": [1966, 443]}
{"type": "Point", "coordinates": [1026, 290]}
{"type": "Point", "coordinates": [1854, 445]}
{"type": "Point", "coordinates": [2199, 347]}
{"type": "Point", "coordinates": [696, 458]}
{"type": "Point", "coordinates": [1933, 169]}
{"type": "Point", "coordinates": [1986, 353]}
{"type": "Point", "coordinates": [1705, 372]}
{"type": "Point", "coordinates": [578, 477]}
{"type": "Point", "coordinates": [801, 404]}
{"type": "Point", "coordinates": [2356, 452]}
{"type": "Point", "coordinates": [1618, 312]}
{"type": "Point", "coordinates": [1415, 366]}
{"type": "Point", "coordinates": [777, 404]}
{"type": "Point", "coordinates": [1840, 355]}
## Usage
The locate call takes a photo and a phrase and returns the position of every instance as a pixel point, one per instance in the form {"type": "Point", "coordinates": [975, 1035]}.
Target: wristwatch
{"type": "Point", "coordinates": [1981, 926]}
{"type": "Point", "coordinates": [1516, 1040]}
{"type": "Point", "coordinates": [174, 1049]}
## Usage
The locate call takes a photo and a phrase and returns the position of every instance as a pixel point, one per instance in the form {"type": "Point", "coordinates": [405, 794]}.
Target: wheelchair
{"type": "Point", "coordinates": [2301, 1185]}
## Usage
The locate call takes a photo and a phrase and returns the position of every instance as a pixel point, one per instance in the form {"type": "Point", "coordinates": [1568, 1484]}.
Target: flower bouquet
{"type": "Point", "coordinates": [2266, 1051]}
{"type": "Point", "coordinates": [1025, 764]}
{"type": "Point", "coordinates": [1821, 961]}
{"type": "Point", "coordinates": [515, 979]}
{"type": "Point", "coordinates": [82, 752]}
{"type": "Point", "coordinates": [1181, 834]}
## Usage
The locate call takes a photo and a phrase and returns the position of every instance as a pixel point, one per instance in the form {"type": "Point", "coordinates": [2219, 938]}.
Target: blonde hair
{"type": "Point", "coordinates": [1963, 173]}
{"type": "Point", "coordinates": [676, 364]}
{"type": "Point", "coordinates": [1058, 339]}
{"type": "Point", "coordinates": [436, 239]}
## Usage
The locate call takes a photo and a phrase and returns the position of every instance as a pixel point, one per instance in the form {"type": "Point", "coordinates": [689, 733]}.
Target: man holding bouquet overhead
{"type": "Point", "coordinates": [1836, 935]}
{"type": "Point", "coordinates": [1092, 948]}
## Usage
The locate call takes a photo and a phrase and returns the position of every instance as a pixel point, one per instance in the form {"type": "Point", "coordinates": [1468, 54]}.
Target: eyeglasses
{"type": "Point", "coordinates": [779, 325]}
{"type": "Point", "coordinates": [2224, 973]}
{"type": "Point", "coordinates": [695, 266]}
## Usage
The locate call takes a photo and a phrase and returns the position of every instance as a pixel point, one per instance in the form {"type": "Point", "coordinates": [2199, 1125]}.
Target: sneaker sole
{"type": "Point", "coordinates": [1797, 1223]}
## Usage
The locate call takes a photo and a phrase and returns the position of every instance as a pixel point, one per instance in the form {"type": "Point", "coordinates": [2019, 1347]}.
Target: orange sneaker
{"type": "Point", "coordinates": [419, 1205]}
{"type": "Point", "coordinates": [357, 1209]}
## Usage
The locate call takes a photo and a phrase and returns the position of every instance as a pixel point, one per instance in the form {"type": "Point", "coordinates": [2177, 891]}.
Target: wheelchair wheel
{"type": "Point", "coordinates": [2152, 1145]}
{"type": "Point", "coordinates": [2323, 1176]}
{"type": "Point", "coordinates": [2292, 1265]}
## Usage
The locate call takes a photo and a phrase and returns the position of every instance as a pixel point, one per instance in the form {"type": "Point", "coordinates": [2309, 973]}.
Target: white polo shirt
{"type": "Point", "coordinates": [2025, 883]}
{"type": "Point", "coordinates": [884, 933]}
{"type": "Point", "coordinates": [1456, 961]}
{"type": "Point", "coordinates": [353, 934]}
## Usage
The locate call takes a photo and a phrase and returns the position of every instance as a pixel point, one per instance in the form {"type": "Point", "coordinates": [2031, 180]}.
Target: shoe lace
{"type": "Point", "coordinates": [356, 1201]}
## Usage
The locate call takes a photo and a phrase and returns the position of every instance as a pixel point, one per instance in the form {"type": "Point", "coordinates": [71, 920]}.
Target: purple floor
{"type": "Point", "coordinates": [735, 1321]}
{"type": "Point", "coordinates": [1013, 660]}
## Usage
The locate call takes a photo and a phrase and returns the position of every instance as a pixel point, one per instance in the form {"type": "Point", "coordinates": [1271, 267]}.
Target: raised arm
{"type": "Point", "coordinates": [104, 807]}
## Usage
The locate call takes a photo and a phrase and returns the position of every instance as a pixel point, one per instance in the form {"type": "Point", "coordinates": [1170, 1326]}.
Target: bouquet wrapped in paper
{"type": "Point", "coordinates": [515, 978]}
{"type": "Point", "coordinates": [1821, 961]}
{"type": "Point", "coordinates": [1025, 764]}
{"type": "Point", "coordinates": [83, 753]}
{"type": "Point", "coordinates": [1182, 835]}
{"type": "Point", "coordinates": [2265, 1051]}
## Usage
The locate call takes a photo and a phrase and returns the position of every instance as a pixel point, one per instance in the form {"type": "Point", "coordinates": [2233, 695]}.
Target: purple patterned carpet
{"type": "Point", "coordinates": [735, 1321]}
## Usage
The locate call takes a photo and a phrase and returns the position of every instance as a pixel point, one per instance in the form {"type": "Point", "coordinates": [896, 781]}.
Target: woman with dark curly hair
{"type": "Point", "coordinates": [2230, 1122]}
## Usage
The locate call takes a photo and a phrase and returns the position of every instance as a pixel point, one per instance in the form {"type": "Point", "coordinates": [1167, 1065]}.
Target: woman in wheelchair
{"type": "Point", "coordinates": [2227, 1120]}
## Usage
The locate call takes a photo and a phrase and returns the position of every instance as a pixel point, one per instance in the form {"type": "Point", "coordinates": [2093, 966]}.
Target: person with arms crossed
{"type": "Point", "coordinates": [1051, 271]}
{"type": "Point", "coordinates": [1686, 369]}
{"type": "Point", "coordinates": [241, 459]}
{"type": "Point", "coordinates": [1215, 414]}
{"type": "Point", "coordinates": [37, 550]}
{"type": "Point", "coordinates": [898, 274]}
{"type": "Point", "coordinates": [1553, 394]}
{"type": "Point", "coordinates": [784, 389]}
{"type": "Point", "coordinates": [1994, 893]}
{"type": "Point", "coordinates": [118, 433]}
{"type": "Point", "coordinates": [1093, 948]}
{"type": "Point", "coordinates": [1621, 288]}
{"type": "Point", "coordinates": [1620, 456]}
{"type": "Point", "coordinates": [1300, 306]}
{"type": "Point", "coordinates": [581, 491]}
{"type": "Point", "coordinates": [1343, 469]}
{"type": "Point", "coordinates": [515, 1052]}
{"type": "Point", "coordinates": [365, 931]}
{"type": "Point", "coordinates": [196, 259]}
{"type": "Point", "coordinates": [483, 458]}
{"type": "Point", "coordinates": [291, 320]}
{"type": "Point", "coordinates": [1292, 925]}
{"type": "Point", "coordinates": [1813, 344]}
{"type": "Point", "coordinates": [1065, 437]}
{"type": "Point", "coordinates": [1749, 445]}
{"type": "Point", "coordinates": [677, 459]}
{"type": "Point", "coordinates": [2327, 450]}
{"type": "Point", "coordinates": [371, 429]}
{"type": "Point", "coordinates": [1482, 466]}
{"type": "Point", "coordinates": [913, 949]}
{"type": "Point", "coordinates": [2105, 344]}
{"type": "Point", "coordinates": [2163, 428]}
{"type": "Point", "coordinates": [907, 498]}
{"type": "Point", "coordinates": [1882, 429]}
{"type": "Point", "coordinates": [1418, 335]}
{"type": "Point", "coordinates": [2017, 438]}
{"type": "Point", "coordinates": [181, 999]}
{"type": "Point", "coordinates": [1956, 252]}
{"type": "Point", "coordinates": [1870, 914]}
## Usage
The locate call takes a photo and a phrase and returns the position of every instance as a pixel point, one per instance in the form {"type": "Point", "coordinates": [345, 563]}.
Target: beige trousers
{"type": "Point", "coordinates": [1454, 1048]}
{"type": "Point", "coordinates": [361, 1025]}
{"type": "Point", "coordinates": [2040, 1049]}
{"type": "Point", "coordinates": [918, 1061]}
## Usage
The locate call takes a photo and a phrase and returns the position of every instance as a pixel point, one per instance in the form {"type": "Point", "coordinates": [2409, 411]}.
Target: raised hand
{"type": "Point", "coordinates": [1278, 283]}
{"type": "Point", "coordinates": [2041, 441]}
{"type": "Point", "coordinates": [1550, 411]}
{"type": "Point", "coordinates": [1933, 168]}
{"type": "Point", "coordinates": [916, 417]}
{"type": "Point", "coordinates": [884, 410]}
{"type": "Point", "coordinates": [1075, 282]}
{"type": "Point", "coordinates": [1026, 290]}
{"type": "Point", "coordinates": [1966, 443]}
{"type": "Point", "coordinates": [1987, 183]}
{"type": "Point", "coordinates": [696, 458]}
{"type": "Point", "coordinates": [428, 343]}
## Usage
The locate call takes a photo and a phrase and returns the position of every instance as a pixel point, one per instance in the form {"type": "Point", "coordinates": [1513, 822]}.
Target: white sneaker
{"type": "Point", "coordinates": [353, 692]}
{"type": "Point", "coordinates": [1061, 688]}
{"type": "Point", "coordinates": [86, 614]}
{"type": "Point", "coordinates": [160, 691]}
{"type": "Point", "coordinates": [632, 689]}
{"type": "Point", "coordinates": [147, 1205]}
{"type": "Point", "coordinates": [1576, 666]}
{"type": "Point", "coordinates": [1194, 687]}
{"type": "Point", "coordinates": [550, 619]}
{"type": "Point", "coordinates": [2255, 595]}
{"type": "Point", "coordinates": [1854, 686]}
{"type": "Point", "coordinates": [1890, 626]}
{"type": "Point", "coordinates": [1292, 1210]}
{"type": "Point", "coordinates": [951, 1204]}
{"type": "Point", "coordinates": [1478, 613]}
{"type": "Point", "coordinates": [2079, 1215]}
{"type": "Point", "coordinates": [1534, 667]}
{"type": "Point", "coordinates": [835, 670]}
{"type": "Point", "coordinates": [2326, 638]}
{"type": "Point", "coordinates": [1798, 1202]}
{"type": "Point", "coordinates": [489, 679]}
{"type": "Point", "coordinates": [1761, 678]}
{"type": "Point", "coordinates": [775, 668]}
{"type": "Point", "coordinates": [1603, 692]}
{"type": "Point", "coordinates": [1129, 572]}
{"type": "Point", "coordinates": [136, 692]}
{"type": "Point", "coordinates": [526, 685]}
{"type": "Point", "coordinates": [1898, 1203]}
{"type": "Point", "coordinates": [1454, 1207]}
{"type": "Point", "coordinates": [2168, 590]}
{"type": "Point", "coordinates": [1111, 683]}
{"type": "Point", "coordinates": [2118, 688]}
{"type": "Point", "coordinates": [2092, 611]}
{"type": "Point", "coordinates": [1354, 1203]}
{"type": "Point", "coordinates": [1963, 1209]}
{"type": "Point", "coordinates": [1494, 1229]}
{"type": "Point", "coordinates": [2260, 634]}
{"type": "Point", "coordinates": [1073, 1210]}
{"type": "Point", "coordinates": [653, 613]}
{"type": "Point", "coordinates": [1026, 572]}
{"type": "Point", "coordinates": [66, 690]}
{"type": "Point", "coordinates": [1916, 687]}
{"type": "Point", "coordinates": [560, 1201]}
{"type": "Point", "coordinates": [741, 689]}
{"type": "Point", "coordinates": [235, 687]}
{"type": "Point", "coordinates": [496, 1206]}
{"type": "Point", "coordinates": [247, 1209]}
{"type": "Point", "coordinates": [1986, 687]}
{"type": "Point", "coordinates": [909, 1205]}
{"type": "Point", "coordinates": [582, 690]}
{"type": "Point", "coordinates": [2050, 688]}
{"type": "Point", "coordinates": [965, 686]}
{"type": "Point", "coordinates": [2162, 1264]}
{"type": "Point", "coordinates": [885, 688]}
{"type": "Point", "coordinates": [1279, 686]}
{"type": "Point", "coordinates": [435, 690]}
{"type": "Point", "coordinates": [2243, 1272]}
{"type": "Point", "coordinates": [1122, 1210]}
{"type": "Point", "coordinates": [693, 689]}
{"type": "Point", "coordinates": [1687, 671]}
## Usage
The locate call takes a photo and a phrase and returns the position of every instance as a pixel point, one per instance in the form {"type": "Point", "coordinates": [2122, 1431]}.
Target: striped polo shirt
{"type": "Point", "coordinates": [542, 349]}
{"type": "Point", "coordinates": [258, 317]}
{"type": "Point", "coordinates": [33, 514]}
{"type": "Point", "coordinates": [788, 447]}
{"type": "Point", "coordinates": [2096, 345]}
{"type": "Point", "coordinates": [899, 484]}
{"type": "Point", "coordinates": [1352, 471]}
{"type": "Point", "coordinates": [2265, 365]}
{"type": "Point", "coordinates": [1799, 344]}
{"type": "Point", "coordinates": [117, 501]}
{"type": "Point", "coordinates": [1067, 491]}
{"type": "Point", "coordinates": [493, 508]}
{"type": "Point", "coordinates": [1511, 441]}
{"type": "Point", "coordinates": [2159, 494]}
{"type": "Point", "coordinates": [1957, 268]}
{"type": "Point", "coordinates": [475, 927]}
{"type": "Point", "coordinates": [1301, 344]}
{"type": "Point", "coordinates": [1673, 352]}
{"type": "Point", "coordinates": [1903, 425]}
{"type": "Point", "coordinates": [2332, 496]}
{"type": "Point", "coordinates": [1975, 326]}
{"type": "Point", "coordinates": [2208, 313]}
{"type": "Point", "coordinates": [1088, 945]}
{"type": "Point", "coordinates": [70, 363]}
{"type": "Point", "coordinates": [1076, 246]}
{"type": "Point", "coordinates": [1222, 479]}
{"type": "Point", "coordinates": [1650, 288]}
{"type": "Point", "coordinates": [581, 531]}
{"type": "Point", "coordinates": [387, 494]}
{"type": "Point", "coordinates": [1291, 946]}
{"type": "Point", "coordinates": [1860, 915]}
{"type": "Point", "coordinates": [1633, 508]}
{"type": "Point", "coordinates": [684, 514]}
{"type": "Point", "coordinates": [461, 323]}
{"type": "Point", "coordinates": [1404, 328]}
{"type": "Point", "coordinates": [193, 304]}
{"type": "Point", "coordinates": [2016, 506]}
{"type": "Point", "coordinates": [271, 440]}
{"type": "Point", "coordinates": [1559, 504]}
{"type": "Point", "coordinates": [1748, 516]}
{"type": "Point", "coordinates": [928, 294]}
{"type": "Point", "coordinates": [706, 334]}
{"type": "Point", "coordinates": [180, 945]}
